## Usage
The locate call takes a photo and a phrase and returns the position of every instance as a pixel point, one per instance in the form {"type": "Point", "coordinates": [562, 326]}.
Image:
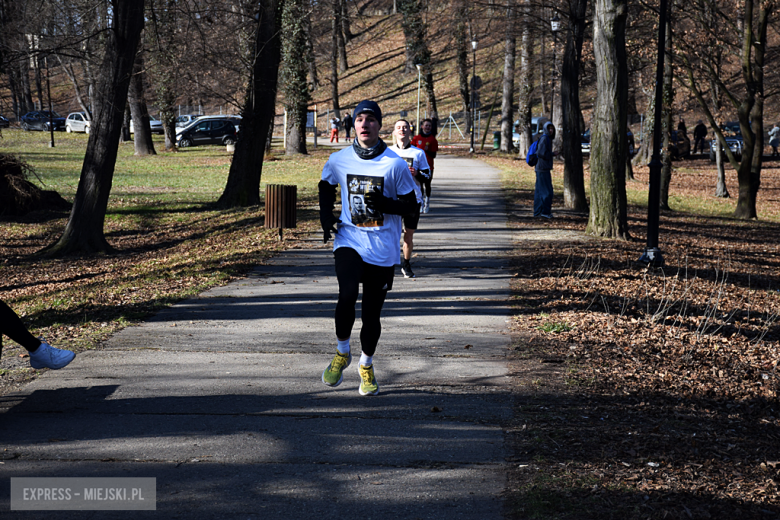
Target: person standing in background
{"type": "Point", "coordinates": [699, 136]}
{"type": "Point", "coordinates": [348, 124]}
{"type": "Point", "coordinates": [334, 129]}
{"type": "Point", "coordinates": [543, 191]}
{"type": "Point", "coordinates": [427, 142]}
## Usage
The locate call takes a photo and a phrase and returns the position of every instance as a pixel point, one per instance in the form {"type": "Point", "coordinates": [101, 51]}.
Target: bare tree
{"type": "Point", "coordinates": [243, 184]}
{"type": "Point", "coordinates": [573, 176]}
{"type": "Point", "coordinates": [507, 99]}
{"type": "Point", "coordinates": [293, 72]}
{"type": "Point", "coordinates": [526, 81]}
{"type": "Point", "coordinates": [84, 231]}
{"type": "Point", "coordinates": [460, 26]}
{"type": "Point", "coordinates": [746, 39]}
{"type": "Point", "coordinates": [142, 132]}
{"type": "Point", "coordinates": [608, 213]}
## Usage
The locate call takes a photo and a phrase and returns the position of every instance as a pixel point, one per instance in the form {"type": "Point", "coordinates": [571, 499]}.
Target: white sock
{"type": "Point", "coordinates": [366, 361]}
{"type": "Point", "coordinates": [343, 346]}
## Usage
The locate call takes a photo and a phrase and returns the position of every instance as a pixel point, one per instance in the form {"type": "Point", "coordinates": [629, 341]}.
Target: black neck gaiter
{"type": "Point", "coordinates": [369, 153]}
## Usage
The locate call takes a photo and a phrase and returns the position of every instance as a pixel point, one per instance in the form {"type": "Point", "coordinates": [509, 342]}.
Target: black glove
{"type": "Point", "coordinates": [329, 225]}
{"type": "Point", "coordinates": [404, 205]}
{"type": "Point", "coordinates": [328, 221]}
{"type": "Point", "coordinates": [424, 175]}
{"type": "Point", "coordinates": [376, 201]}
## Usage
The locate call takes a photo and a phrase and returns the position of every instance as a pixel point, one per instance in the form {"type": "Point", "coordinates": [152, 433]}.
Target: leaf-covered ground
{"type": "Point", "coordinates": [647, 393]}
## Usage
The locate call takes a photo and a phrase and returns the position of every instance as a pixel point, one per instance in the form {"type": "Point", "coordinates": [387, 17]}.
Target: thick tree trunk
{"type": "Point", "coordinates": [338, 34]}
{"type": "Point", "coordinates": [573, 176]}
{"type": "Point", "coordinates": [84, 230]}
{"type": "Point", "coordinates": [507, 98]}
{"type": "Point", "coordinates": [525, 100]}
{"type": "Point", "coordinates": [608, 214]}
{"type": "Point", "coordinates": [243, 184]}
{"type": "Point", "coordinates": [294, 72]}
{"type": "Point", "coordinates": [720, 187]}
{"type": "Point", "coordinates": [142, 132]}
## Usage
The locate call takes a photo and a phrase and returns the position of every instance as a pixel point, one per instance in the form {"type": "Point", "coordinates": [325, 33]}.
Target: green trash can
{"type": "Point", "coordinates": [496, 140]}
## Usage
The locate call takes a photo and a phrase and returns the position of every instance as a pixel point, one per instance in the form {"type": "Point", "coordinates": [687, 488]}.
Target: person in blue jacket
{"type": "Point", "coordinates": [543, 191]}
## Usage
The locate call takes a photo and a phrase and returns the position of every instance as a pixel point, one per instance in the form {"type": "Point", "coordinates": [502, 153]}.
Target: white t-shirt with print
{"type": "Point", "coordinates": [416, 157]}
{"type": "Point", "coordinates": [375, 236]}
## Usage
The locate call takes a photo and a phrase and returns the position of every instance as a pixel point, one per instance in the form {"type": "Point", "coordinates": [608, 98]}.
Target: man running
{"type": "Point", "coordinates": [427, 142]}
{"type": "Point", "coordinates": [418, 166]}
{"type": "Point", "coordinates": [365, 252]}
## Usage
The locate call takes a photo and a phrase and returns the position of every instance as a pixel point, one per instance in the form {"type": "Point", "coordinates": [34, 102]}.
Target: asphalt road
{"type": "Point", "coordinates": [220, 399]}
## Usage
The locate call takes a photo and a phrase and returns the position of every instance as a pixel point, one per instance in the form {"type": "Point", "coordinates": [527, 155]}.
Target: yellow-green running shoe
{"type": "Point", "coordinates": [333, 375]}
{"type": "Point", "coordinates": [368, 384]}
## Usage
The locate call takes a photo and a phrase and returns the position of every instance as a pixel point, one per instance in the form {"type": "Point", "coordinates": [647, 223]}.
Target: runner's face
{"type": "Point", "coordinates": [426, 127]}
{"type": "Point", "coordinates": [367, 129]}
{"type": "Point", "coordinates": [402, 131]}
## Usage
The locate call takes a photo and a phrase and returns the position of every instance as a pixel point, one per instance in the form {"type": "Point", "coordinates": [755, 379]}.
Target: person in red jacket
{"type": "Point", "coordinates": [427, 142]}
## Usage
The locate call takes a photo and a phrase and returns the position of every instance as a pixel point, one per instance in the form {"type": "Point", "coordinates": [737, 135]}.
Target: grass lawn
{"type": "Point", "coordinates": [170, 241]}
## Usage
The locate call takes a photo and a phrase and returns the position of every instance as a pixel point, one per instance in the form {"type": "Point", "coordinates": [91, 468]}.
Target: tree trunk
{"type": "Point", "coordinates": [124, 134]}
{"type": "Point", "coordinates": [243, 184]}
{"type": "Point", "coordinates": [338, 33]}
{"type": "Point", "coordinates": [573, 176]}
{"type": "Point", "coordinates": [645, 153]}
{"type": "Point", "coordinates": [334, 61]}
{"type": "Point", "coordinates": [142, 137]}
{"type": "Point", "coordinates": [543, 76]}
{"type": "Point", "coordinates": [462, 56]}
{"type": "Point", "coordinates": [556, 95]}
{"type": "Point", "coordinates": [720, 188]}
{"type": "Point", "coordinates": [294, 72]}
{"type": "Point", "coordinates": [608, 214]}
{"type": "Point", "coordinates": [433, 112]}
{"type": "Point", "coordinates": [84, 230]}
{"type": "Point", "coordinates": [525, 100]}
{"type": "Point", "coordinates": [507, 98]}
{"type": "Point", "coordinates": [345, 23]}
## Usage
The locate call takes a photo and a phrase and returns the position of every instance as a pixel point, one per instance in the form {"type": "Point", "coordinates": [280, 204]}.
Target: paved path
{"type": "Point", "coordinates": [220, 398]}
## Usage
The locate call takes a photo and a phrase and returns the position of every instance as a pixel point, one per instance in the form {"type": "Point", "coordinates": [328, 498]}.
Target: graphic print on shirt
{"type": "Point", "coordinates": [359, 186]}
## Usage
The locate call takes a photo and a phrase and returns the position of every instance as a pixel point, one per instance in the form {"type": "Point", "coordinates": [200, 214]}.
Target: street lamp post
{"type": "Point", "coordinates": [473, 93]}
{"type": "Point", "coordinates": [419, 70]}
{"type": "Point", "coordinates": [652, 255]}
{"type": "Point", "coordinates": [555, 25]}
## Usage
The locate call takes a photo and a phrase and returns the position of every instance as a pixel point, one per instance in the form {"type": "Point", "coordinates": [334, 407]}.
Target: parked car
{"type": "Point", "coordinates": [39, 120]}
{"type": "Point", "coordinates": [537, 126]}
{"type": "Point", "coordinates": [210, 130]}
{"type": "Point", "coordinates": [77, 122]}
{"type": "Point", "coordinates": [733, 134]}
{"type": "Point", "coordinates": [184, 120]}
{"type": "Point", "coordinates": [4, 123]}
{"type": "Point", "coordinates": [155, 124]}
{"type": "Point", "coordinates": [586, 143]}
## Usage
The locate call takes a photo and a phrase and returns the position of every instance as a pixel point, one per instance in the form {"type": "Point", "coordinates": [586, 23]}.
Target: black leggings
{"type": "Point", "coordinates": [426, 186]}
{"type": "Point", "coordinates": [12, 326]}
{"type": "Point", "coordinates": [351, 271]}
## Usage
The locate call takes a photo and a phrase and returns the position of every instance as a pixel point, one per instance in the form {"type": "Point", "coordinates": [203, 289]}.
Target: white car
{"type": "Point", "coordinates": [77, 122]}
{"type": "Point", "coordinates": [155, 124]}
{"type": "Point", "coordinates": [184, 120]}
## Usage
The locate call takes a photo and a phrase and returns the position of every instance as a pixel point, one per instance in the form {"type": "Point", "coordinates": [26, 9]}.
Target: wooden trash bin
{"type": "Point", "coordinates": [280, 207]}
